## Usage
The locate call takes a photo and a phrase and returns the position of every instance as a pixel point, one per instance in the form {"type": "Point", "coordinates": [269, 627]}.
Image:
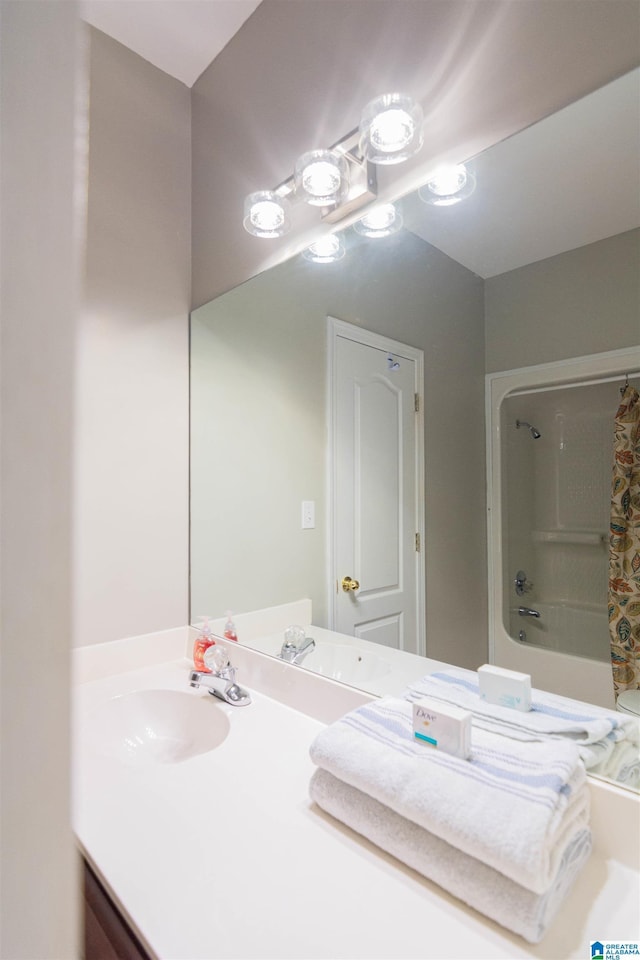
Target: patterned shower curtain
{"type": "Point", "coordinates": [624, 545]}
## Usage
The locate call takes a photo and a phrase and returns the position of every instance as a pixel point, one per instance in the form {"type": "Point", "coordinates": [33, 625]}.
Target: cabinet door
{"type": "Point", "coordinates": [107, 936]}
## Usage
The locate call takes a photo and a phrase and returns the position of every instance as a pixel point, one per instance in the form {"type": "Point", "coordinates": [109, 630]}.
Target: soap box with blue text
{"type": "Point", "coordinates": [507, 688]}
{"type": "Point", "coordinates": [443, 726]}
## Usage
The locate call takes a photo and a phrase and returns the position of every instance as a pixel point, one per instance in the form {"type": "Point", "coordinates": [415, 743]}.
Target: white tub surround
{"type": "Point", "coordinates": [556, 516]}
{"type": "Point", "coordinates": [190, 849]}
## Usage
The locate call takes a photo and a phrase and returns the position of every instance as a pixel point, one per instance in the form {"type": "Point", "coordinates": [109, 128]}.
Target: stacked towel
{"type": "Point", "coordinates": [481, 887]}
{"type": "Point", "coordinates": [520, 809]}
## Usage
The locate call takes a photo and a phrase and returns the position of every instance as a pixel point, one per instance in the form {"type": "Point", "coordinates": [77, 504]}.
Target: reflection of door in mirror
{"type": "Point", "coordinates": [376, 446]}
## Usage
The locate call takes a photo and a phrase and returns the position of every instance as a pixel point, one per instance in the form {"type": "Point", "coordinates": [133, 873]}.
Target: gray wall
{"type": "Point", "coordinates": [298, 75]}
{"type": "Point", "coordinates": [581, 302]}
{"type": "Point", "coordinates": [39, 58]}
{"type": "Point", "coordinates": [132, 428]}
{"type": "Point", "coordinates": [259, 431]}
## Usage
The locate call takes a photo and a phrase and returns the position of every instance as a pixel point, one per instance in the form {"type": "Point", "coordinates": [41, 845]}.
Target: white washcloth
{"type": "Point", "coordinates": [492, 894]}
{"type": "Point", "coordinates": [551, 716]}
{"type": "Point", "coordinates": [512, 805]}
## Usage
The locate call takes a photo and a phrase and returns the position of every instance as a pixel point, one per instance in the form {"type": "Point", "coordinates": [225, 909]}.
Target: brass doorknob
{"type": "Point", "coordinates": [349, 584]}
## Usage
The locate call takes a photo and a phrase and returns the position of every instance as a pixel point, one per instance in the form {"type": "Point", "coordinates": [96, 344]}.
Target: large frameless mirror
{"type": "Point", "coordinates": [537, 262]}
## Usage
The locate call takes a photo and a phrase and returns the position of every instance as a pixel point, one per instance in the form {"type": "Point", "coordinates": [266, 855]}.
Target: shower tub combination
{"type": "Point", "coordinates": [549, 460]}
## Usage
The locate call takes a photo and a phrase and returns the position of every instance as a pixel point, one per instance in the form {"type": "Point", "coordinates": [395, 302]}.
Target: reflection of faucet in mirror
{"type": "Point", "coordinates": [296, 645]}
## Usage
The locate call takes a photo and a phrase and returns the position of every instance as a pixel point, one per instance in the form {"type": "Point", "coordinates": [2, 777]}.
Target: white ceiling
{"type": "Point", "coordinates": [181, 37]}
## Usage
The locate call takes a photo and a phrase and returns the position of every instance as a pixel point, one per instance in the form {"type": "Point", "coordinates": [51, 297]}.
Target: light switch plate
{"type": "Point", "coordinates": [308, 514]}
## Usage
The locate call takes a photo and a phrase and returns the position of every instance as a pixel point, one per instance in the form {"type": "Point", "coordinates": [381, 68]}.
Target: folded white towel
{"type": "Point", "coordinates": [551, 716]}
{"type": "Point", "coordinates": [492, 894]}
{"type": "Point", "coordinates": [512, 805]}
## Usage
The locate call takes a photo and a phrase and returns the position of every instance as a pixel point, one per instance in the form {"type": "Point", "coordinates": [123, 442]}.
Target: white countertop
{"type": "Point", "coordinates": [224, 856]}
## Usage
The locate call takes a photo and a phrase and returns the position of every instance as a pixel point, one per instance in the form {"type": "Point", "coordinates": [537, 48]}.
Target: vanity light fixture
{"type": "Point", "coordinates": [326, 250]}
{"type": "Point", "coordinates": [391, 128]}
{"type": "Point", "coordinates": [382, 220]}
{"type": "Point", "coordinates": [448, 185]}
{"type": "Point", "coordinates": [342, 179]}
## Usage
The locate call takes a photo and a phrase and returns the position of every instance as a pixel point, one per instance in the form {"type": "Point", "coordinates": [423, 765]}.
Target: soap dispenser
{"type": "Point", "coordinates": [203, 641]}
{"type": "Point", "coordinates": [230, 629]}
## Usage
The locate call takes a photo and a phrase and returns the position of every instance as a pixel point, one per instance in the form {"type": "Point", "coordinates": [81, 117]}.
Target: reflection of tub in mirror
{"type": "Point", "coordinates": [549, 507]}
{"type": "Point", "coordinates": [577, 629]}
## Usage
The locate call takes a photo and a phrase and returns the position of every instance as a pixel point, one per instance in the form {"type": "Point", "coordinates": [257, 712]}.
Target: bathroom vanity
{"type": "Point", "coordinates": [195, 817]}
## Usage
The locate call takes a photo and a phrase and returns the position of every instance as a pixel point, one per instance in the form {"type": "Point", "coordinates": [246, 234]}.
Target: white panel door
{"type": "Point", "coordinates": [376, 494]}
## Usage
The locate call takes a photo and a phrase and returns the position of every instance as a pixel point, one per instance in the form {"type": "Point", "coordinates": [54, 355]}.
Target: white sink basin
{"type": "Point", "coordinates": [340, 661]}
{"type": "Point", "coordinates": [157, 726]}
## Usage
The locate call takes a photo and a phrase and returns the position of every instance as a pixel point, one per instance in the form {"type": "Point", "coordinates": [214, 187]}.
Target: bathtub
{"type": "Point", "coordinates": [548, 494]}
{"type": "Point", "coordinates": [565, 628]}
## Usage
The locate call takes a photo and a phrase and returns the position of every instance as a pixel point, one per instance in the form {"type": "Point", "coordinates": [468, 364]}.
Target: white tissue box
{"type": "Point", "coordinates": [442, 726]}
{"type": "Point", "coordinates": [505, 687]}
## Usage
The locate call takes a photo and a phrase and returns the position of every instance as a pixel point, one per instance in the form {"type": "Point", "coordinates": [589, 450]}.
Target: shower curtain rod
{"type": "Point", "coordinates": [586, 381]}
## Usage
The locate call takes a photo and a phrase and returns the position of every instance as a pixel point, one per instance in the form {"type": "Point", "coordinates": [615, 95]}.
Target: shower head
{"type": "Point", "coordinates": [532, 430]}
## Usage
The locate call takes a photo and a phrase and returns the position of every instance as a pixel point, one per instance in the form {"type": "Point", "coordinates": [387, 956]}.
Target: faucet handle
{"type": "Point", "coordinates": [522, 584]}
{"type": "Point", "coordinates": [216, 658]}
{"type": "Point", "coordinates": [294, 637]}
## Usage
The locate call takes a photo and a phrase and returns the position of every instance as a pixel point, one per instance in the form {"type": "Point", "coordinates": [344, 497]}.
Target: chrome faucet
{"type": "Point", "coordinates": [221, 682]}
{"type": "Point", "coordinates": [528, 612]}
{"type": "Point", "coordinates": [296, 645]}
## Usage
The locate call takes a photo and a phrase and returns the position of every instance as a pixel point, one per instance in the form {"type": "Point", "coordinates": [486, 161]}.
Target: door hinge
{"type": "Point", "coordinates": [417, 543]}
{"type": "Point", "coordinates": [416, 402]}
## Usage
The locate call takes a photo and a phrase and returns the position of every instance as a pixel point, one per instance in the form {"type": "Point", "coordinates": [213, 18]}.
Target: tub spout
{"type": "Point", "coordinates": [528, 612]}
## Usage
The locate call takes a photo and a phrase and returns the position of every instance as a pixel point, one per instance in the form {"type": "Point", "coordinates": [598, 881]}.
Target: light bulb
{"type": "Point", "coordinates": [325, 250]}
{"type": "Point", "coordinates": [383, 220]}
{"type": "Point", "coordinates": [448, 185]}
{"type": "Point", "coordinates": [448, 180]}
{"type": "Point", "coordinates": [266, 214]}
{"type": "Point", "coordinates": [321, 177]}
{"type": "Point", "coordinates": [391, 128]}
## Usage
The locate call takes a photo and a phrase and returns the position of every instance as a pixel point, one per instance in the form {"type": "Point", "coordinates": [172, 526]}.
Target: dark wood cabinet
{"type": "Point", "coordinates": [107, 935]}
